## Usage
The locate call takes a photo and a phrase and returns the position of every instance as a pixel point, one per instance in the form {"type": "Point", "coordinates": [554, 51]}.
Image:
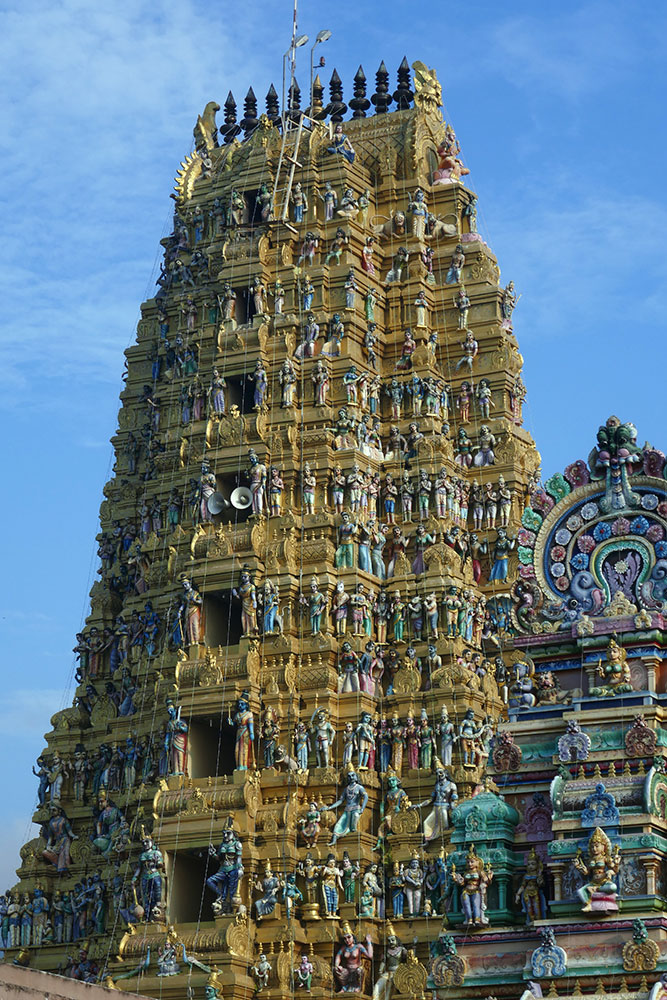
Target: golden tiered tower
{"type": "Point", "coordinates": [328, 367]}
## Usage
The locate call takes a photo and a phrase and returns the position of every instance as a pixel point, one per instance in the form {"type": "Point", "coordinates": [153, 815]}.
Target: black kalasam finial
{"type": "Point", "coordinates": [337, 106]}
{"type": "Point", "coordinates": [272, 106]}
{"type": "Point", "coordinates": [403, 95]}
{"type": "Point", "coordinates": [230, 129]}
{"type": "Point", "coordinates": [294, 101]}
{"type": "Point", "coordinates": [360, 103]}
{"type": "Point", "coordinates": [250, 120]}
{"type": "Point", "coordinates": [381, 98]}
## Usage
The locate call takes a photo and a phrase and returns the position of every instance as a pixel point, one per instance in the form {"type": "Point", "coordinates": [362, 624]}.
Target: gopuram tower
{"type": "Point", "coordinates": [326, 736]}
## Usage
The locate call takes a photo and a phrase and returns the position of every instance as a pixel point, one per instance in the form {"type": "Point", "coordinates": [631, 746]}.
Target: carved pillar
{"type": "Point", "coordinates": [651, 664]}
{"type": "Point", "coordinates": [651, 865]}
{"type": "Point", "coordinates": [557, 873]}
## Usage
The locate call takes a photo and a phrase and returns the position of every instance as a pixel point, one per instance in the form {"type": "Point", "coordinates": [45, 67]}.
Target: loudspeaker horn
{"type": "Point", "coordinates": [241, 498]}
{"type": "Point", "coordinates": [216, 503]}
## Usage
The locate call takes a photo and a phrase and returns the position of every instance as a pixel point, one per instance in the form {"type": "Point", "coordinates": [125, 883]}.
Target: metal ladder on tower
{"type": "Point", "coordinates": [285, 192]}
{"type": "Point", "coordinates": [292, 158]}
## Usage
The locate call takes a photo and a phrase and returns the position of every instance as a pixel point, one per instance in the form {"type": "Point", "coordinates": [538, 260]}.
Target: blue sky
{"type": "Point", "coordinates": [560, 112]}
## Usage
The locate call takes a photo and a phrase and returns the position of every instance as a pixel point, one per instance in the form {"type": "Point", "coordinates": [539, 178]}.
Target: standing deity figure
{"type": "Point", "coordinates": [224, 883]}
{"type": "Point", "coordinates": [258, 292]}
{"type": "Point", "coordinates": [505, 497]}
{"type": "Point", "coordinates": [368, 266]}
{"type": "Point", "coordinates": [244, 722]}
{"type": "Point", "coordinates": [456, 265]}
{"type": "Point", "coordinates": [530, 893]}
{"type": "Point", "coordinates": [421, 306]}
{"type": "Point", "coordinates": [316, 603]}
{"type": "Point", "coordinates": [484, 398]}
{"type": "Point", "coordinates": [365, 737]}
{"type": "Point", "coordinates": [276, 487]}
{"type": "Point", "coordinates": [469, 736]}
{"type": "Point", "coordinates": [348, 967]}
{"type": "Point", "coordinates": [446, 733]}
{"type": "Point", "coordinates": [330, 199]}
{"type": "Point", "coordinates": [321, 380]}
{"type": "Point", "coordinates": [601, 867]}
{"type": "Point", "coordinates": [228, 302]}
{"type": "Point", "coordinates": [237, 208]}
{"type": "Point", "coordinates": [462, 303]}
{"type": "Point", "coordinates": [270, 731]}
{"type": "Point", "coordinates": [257, 476]}
{"type": "Point", "coordinates": [517, 396]}
{"type": "Point", "coordinates": [344, 556]}
{"type": "Point", "coordinates": [370, 303]}
{"type": "Point", "coordinates": [363, 205]}
{"type": "Point", "coordinates": [191, 614]}
{"type": "Point", "coordinates": [301, 741]}
{"type": "Point", "coordinates": [149, 874]}
{"type": "Point", "coordinates": [443, 798]}
{"type": "Point", "coordinates": [259, 377]}
{"type": "Point", "coordinates": [207, 487]}
{"type": "Point", "coordinates": [272, 621]}
{"type": "Point", "coordinates": [348, 669]}
{"type": "Point", "coordinates": [299, 200]}
{"type": "Point", "coordinates": [278, 294]}
{"type": "Point", "coordinates": [476, 877]}
{"type": "Point", "coordinates": [247, 594]}
{"type": "Point", "coordinates": [501, 554]}
{"type": "Point", "coordinates": [414, 885]}
{"type": "Point", "coordinates": [307, 293]}
{"type": "Point", "coordinates": [330, 882]}
{"type": "Point", "coordinates": [339, 608]}
{"type": "Point", "coordinates": [419, 211]}
{"type": "Point", "coordinates": [354, 799]}
{"type": "Point", "coordinates": [264, 200]}
{"type": "Point", "coordinates": [324, 735]}
{"type": "Point", "coordinates": [308, 487]}
{"type": "Point", "coordinates": [350, 290]}
{"type": "Point", "coordinates": [287, 380]}
{"type": "Point", "coordinates": [508, 301]}
{"type": "Point", "coordinates": [175, 740]}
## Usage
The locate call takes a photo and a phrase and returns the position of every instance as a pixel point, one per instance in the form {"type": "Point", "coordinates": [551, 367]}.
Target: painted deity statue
{"type": "Point", "coordinates": [474, 881]}
{"type": "Point", "coordinates": [442, 800]}
{"type": "Point", "coordinates": [149, 874]}
{"type": "Point", "coordinates": [615, 672]}
{"type": "Point", "coordinates": [245, 734]}
{"type": "Point", "coordinates": [354, 799]}
{"type": "Point", "coordinates": [530, 893]}
{"type": "Point", "coordinates": [348, 965]}
{"type": "Point", "coordinates": [601, 867]}
{"type": "Point", "coordinates": [224, 883]}
{"type": "Point", "coordinates": [247, 594]}
{"type": "Point", "coordinates": [175, 740]}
